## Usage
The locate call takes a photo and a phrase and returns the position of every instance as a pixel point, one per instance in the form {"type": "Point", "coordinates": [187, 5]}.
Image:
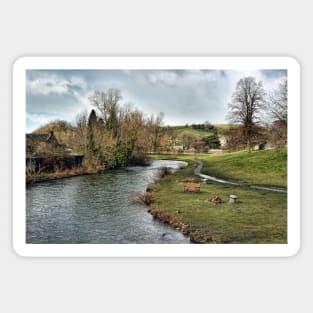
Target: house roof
{"type": "Point", "coordinates": [39, 137]}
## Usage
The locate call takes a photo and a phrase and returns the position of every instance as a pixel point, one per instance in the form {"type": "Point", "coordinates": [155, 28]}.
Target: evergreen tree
{"type": "Point", "coordinates": [91, 134]}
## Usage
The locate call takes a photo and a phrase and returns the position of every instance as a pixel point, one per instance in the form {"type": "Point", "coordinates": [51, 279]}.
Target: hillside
{"type": "Point", "coordinates": [178, 130]}
{"type": "Point", "coordinates": [268, 167]}
{"type": "Point", "coordinates": [62, 130]}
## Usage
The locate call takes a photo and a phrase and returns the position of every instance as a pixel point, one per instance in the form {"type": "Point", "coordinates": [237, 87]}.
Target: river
{"type": "Point", "coordinates": [97, 209]}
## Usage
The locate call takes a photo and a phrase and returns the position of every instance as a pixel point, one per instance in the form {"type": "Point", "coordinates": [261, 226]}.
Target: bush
{"type": "Point", "coordinates": [164, 171]}
{"type": "Point", "coordinates": [142, 197]}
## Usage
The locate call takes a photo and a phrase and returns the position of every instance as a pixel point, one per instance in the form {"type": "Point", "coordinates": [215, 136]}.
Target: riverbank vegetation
{"type": "Point", "coordinates": [35, 177]}
{"type": "Point", "coordinates": [116, 135]}
{"type": "Point", "coordinates": [257, 217]}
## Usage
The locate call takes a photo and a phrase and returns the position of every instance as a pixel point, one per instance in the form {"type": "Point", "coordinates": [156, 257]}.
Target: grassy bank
{"type": "Point", "coordinates": [267, 167]}
{"type": "Point", "coordinates": [258, 217]}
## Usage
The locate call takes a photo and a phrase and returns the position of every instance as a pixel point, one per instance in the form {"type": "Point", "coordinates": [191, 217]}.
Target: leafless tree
{"type": "Point", "coordinates": [80, 140]}
{"type": "Point", "coordinates": [278, 103]}
{"type": "Point", "coordinates": [155, 129]}
{"type": "Point", "coordinates": [248, 100]}
{"type": "Point", "coordinates": [108, 105]}
{"type": "Point", "coordinates": [187, 138]}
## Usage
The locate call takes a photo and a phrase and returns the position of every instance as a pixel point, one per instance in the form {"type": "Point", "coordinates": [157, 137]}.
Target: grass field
{"type": "Point", "coordinates": [258, 217]}
{"type": "Point", "coordinates": [177, 131]}
{"type": "Point", "coordinates": [267, 167]}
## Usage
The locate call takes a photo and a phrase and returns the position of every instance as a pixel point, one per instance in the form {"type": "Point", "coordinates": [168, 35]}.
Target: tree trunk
{"type": "Point", "coordinates": [249, 145]}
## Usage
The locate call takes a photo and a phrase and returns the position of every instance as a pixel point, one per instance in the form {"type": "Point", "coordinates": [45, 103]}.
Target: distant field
{"type": "Point", "coordinates": [178, 130]}
{"type": "Point", "coordinates": [222, 126]}
{"type": "Point", "coordinates": [198, 133]}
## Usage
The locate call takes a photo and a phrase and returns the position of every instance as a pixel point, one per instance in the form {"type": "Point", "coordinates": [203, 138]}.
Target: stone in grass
{"type": "Point", "coordinates": [233, 198]}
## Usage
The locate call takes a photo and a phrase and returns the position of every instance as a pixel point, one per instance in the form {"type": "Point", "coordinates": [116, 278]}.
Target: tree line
{"type": "Point", "coordinates": [113, 135]}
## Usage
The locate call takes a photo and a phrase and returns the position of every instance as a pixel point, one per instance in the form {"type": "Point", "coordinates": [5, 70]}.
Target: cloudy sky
{"type": "Point", "coordinates": [185, 96]}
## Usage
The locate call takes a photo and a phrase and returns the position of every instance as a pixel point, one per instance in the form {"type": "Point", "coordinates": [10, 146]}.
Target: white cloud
{"type": "Point", "coordinates": [46, 84]}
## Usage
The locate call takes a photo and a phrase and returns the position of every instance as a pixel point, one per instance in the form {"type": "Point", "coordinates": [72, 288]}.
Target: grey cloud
{"type": "Point", "coordinates": [274, 73]}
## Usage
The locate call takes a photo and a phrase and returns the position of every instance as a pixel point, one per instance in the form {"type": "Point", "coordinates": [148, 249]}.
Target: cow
{"type": "Point", "coordinates": [192, 187]}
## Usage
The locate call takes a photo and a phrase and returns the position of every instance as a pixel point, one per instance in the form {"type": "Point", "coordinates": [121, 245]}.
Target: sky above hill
{"type": "Point", "coordinates": [185, 96]}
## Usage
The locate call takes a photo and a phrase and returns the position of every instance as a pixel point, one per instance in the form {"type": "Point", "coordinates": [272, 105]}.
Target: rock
{"type": "Point", "coordinates": [216, 200]}
{"type": "Point", "coordinates": [233, 198]}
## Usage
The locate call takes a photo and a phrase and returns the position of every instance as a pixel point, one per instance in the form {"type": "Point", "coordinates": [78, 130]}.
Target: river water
{"type": "Point", "coordinates": [97, 209]}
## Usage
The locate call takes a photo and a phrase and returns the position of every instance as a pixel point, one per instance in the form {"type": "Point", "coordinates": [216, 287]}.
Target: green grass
{"type": "Point", "coordinates": [258, 217]}
{"type": "Point", "coordinates": [223, 126]}
{"type": "Point", "coordinates": [267, 167]}
{"type": "Point", "coordinates": [178, 130]}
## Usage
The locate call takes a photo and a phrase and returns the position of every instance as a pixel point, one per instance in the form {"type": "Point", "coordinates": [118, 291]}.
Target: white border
{"type": "Point", "coordinates": [155, 250]}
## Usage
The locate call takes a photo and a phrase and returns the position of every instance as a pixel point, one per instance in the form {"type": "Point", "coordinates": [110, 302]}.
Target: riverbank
{"type": "Point", "coordinates": [77, 171]}
{"type": "Point", "coordinates": [259, 216]}
{"type": "Point", "coordinates": [43, 177]}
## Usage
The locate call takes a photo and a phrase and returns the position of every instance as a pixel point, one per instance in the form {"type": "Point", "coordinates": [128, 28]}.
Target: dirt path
{"type": "Point", "coordinates": [198, 169]}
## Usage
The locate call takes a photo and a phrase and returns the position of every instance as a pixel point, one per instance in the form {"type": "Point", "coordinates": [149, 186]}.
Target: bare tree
{"type": "Point", "coordinates": [80, 138]}
{"type": "Point", "coordinates": [278, 103]}
{"type": "Point", "coordinates": [82, 119]}
{"type": "Point", "coordinates": [155, 129]}
{"type": "Point", "coordinates": [187, 138]}
{"type": "Point", "coordinates": [108, 105]}
{"type": "Point", "coordinates": [248, 100]}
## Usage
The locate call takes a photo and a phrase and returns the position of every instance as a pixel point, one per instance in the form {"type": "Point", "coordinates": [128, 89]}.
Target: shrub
{"type": "Point", "coordinates": [142, 197]}
{"type": "Point", "coordinates": [164, 171]}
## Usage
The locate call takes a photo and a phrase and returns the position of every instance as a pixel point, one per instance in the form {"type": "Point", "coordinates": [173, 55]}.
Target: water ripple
{"type": "Point", "coordinates": [96, 209]}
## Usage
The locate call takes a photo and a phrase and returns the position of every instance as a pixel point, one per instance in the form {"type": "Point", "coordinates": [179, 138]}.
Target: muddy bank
{"type": "Point", "coordinates": [174, 221]}
{"type": "Point", "coordinates": [195, 235]}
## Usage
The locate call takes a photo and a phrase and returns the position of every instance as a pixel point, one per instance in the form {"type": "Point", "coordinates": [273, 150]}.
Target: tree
{"type": "Point", "coordinates": [235, 141]}
{"type": "Point", "coordinates": [278, 103]}
{"type": "Point", "coordinates": [248, 100]}
{"type": "Point", "coordinates": [187, 138]}
{"type": "Point", "coordinates": [156, 130]}
{"type": "Point", "coordinates": [108, 105]}
{"type": "Point", "coordinates": [80, 138]}
{"type": "Point", "coordinates": [91, 133]}
{"type": "Point", "coordinates": [212, 141]}
{"type": "Point", "coordinates": [200, 146]}
{"type": "Point", "coordinates": [278, 107]}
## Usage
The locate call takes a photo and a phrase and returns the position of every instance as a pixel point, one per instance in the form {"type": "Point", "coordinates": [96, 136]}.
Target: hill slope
{"type": "Point", "coordinates": [268, 167]}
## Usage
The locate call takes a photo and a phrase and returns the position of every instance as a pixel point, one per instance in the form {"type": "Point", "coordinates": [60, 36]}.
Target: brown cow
{"type": "Point", "coordinates": [192, 187]}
